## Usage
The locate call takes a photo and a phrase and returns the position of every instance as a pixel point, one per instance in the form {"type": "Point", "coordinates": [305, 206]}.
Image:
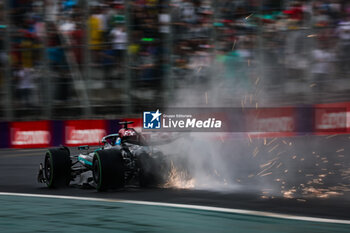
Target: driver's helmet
{"type": "Point", "coordinates": [127, 133]}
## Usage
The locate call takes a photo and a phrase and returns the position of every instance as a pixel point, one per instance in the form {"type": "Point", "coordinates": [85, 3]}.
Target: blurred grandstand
{"type": "Point", "coordinates": [103, 58]}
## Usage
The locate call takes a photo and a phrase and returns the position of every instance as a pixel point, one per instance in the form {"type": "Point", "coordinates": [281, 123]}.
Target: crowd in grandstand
{"type": "Point", "coordinates": [306, 41]}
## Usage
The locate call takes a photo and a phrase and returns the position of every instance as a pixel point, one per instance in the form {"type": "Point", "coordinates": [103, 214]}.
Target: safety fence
{"type": "Point", "coordinates": [321, 119]}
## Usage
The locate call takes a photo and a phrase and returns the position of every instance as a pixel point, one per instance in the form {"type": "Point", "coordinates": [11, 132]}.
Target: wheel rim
{"type": "Point", "coordinates": [48, 168]}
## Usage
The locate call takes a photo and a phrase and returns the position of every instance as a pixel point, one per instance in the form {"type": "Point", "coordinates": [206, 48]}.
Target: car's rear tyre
{"type": "Point", "coordinates": [57, 167]}
{"type": "Point", "coordinates": [150, 173]}
{"type": "Point", "coordinates": [108, 169]}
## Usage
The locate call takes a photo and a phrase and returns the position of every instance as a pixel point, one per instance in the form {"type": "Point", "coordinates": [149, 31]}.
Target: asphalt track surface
{"type": "Point", "coordinates": [18, 170]}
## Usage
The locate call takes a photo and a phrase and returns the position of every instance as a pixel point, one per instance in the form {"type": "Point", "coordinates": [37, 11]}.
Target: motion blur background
{"type": "Point", "coordinates": [66, 59]}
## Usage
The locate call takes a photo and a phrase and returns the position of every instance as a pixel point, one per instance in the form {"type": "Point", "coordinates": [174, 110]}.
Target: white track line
{"type": "Point", "coordinates": [196, 207]}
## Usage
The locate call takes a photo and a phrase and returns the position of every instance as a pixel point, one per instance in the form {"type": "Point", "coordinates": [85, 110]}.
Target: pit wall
{"type": "Point", "coordinates": [292, 121]}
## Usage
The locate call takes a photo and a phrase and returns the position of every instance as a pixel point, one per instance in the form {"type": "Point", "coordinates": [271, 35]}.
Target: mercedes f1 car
{"type": "Point", "coordinates": [123, 158]}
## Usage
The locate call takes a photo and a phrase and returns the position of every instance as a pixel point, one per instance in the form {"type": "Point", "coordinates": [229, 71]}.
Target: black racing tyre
{"type": "Point", "coordinates": [57, 167]}
{"type": "Point", "coordinates": [150, 173]}
{"type": "Point", "coordinates": [108, 169]}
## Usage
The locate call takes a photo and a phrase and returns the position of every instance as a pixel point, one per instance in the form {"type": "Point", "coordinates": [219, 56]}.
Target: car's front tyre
{"type": "Point", "coordinates": [108, 169]}
{"type": "Point", "coordinates": [57, 167]}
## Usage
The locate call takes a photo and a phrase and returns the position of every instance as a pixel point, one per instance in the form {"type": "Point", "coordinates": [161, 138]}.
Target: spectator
{"type": "Point", "coordinates": [343, 31]}
{"type": "Point", "coordinates": [108, 62]}
{"type": "Point", "coordinates": [77, 40]}
{"type": "Point", "coordinates": [322, 65]}
{"type": "Point", "coordinates": [25, 86]}
{"type": "Point", "coordinates": [119, 40]}
{"type": "Point", "coordinates": [96, 34]}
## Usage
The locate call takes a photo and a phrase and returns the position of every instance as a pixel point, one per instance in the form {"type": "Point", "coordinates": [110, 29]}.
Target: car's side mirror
{"type": "Point", "coordinates": [83, 147]}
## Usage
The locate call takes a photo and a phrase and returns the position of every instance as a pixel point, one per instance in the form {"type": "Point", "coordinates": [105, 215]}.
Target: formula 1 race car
{"type": "Point", "coordinates": [123, 158]}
